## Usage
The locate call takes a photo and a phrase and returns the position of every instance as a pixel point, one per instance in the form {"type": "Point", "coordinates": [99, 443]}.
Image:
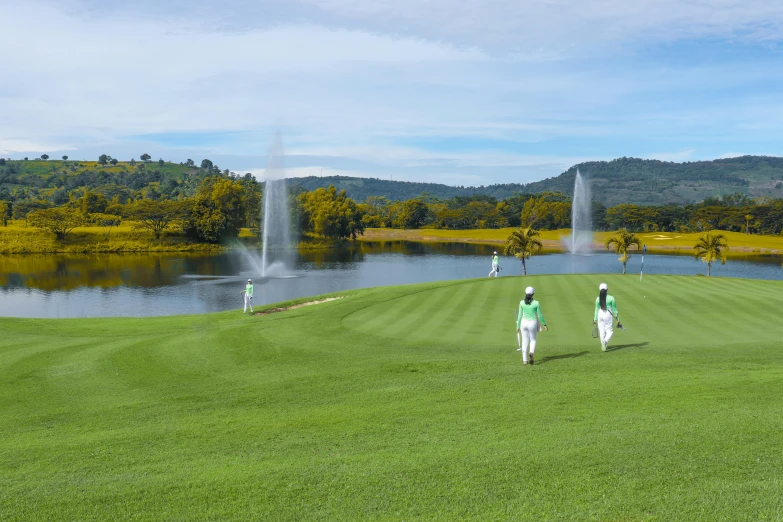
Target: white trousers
{"type": "Point", "coordinates": [494, 270]}
{"type": "Point", "coordinates": [529, 328]}
{"type": "Point", "coordinates": [605, 328]}
{"type": "Point", "coordinates": [248, 302]}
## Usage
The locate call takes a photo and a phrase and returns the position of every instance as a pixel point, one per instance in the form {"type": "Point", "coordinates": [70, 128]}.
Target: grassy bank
{"type": "Point", "coordinates": [657, 242]}
{"type": "Point", "coordinates": [17, 238]}
{"type": "Point", "coordinates": [404, 403]}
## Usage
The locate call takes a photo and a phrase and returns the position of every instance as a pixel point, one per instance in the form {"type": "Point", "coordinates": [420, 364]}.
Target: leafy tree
{"type": "Point", "coordinates": [2, 162]}
{"type": "Point", "coordinates": [60, 220]}
{"type": "Point", "coordinates": [4, 212]}
{"type": "Point", "coordinates": [103, 159]}
{"type": "Point", "coordinates": [523, 243]}
{"type": "Point", "coordinates": [92, 202]}
{"type": "Point", "coordinates": [710, 247]}
{"type": "Point", "coordinates": [161, 162]}
{"type": "Point", "coordinates": [413, 214]}
{"type": "Point", "coordinates": [748, 217]}
{"type": "Point", "coordinates": [156, 216]}
{"type": "Point", "coordinates": [132, 162]}
{"type": "Point", "coordinates": [622, 242]}
{"type": "Point", "coordinates": [329, 214]}
{"type": "Point", "coordinates": [218, 209]}
{"type": "Point", "coordinates": [190, 163]}
{"type": "Point", "coordinates": [145, 157]}
{"type": "Point", "coordinates": [206, 164]}
{"type": "Point", "coordinates": [65, 158]}
{"type": "Point", "coordinates": [59, 197]}
{"type": "Point", "coordinates": [107, 221]}
{"type": "Point", "coordinates": [114, 161]}
{"type": "Point", "coordinates": [25, 206]}
{"type": "Point", "coordinates": [44, 157]}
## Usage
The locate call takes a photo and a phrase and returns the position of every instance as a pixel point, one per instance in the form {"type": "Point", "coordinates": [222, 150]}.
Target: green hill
{"type": "Point", "coordinates": [404, 403]}
{"type": "Point", "coordinates": [53, 180]}
{"type": "Point", "coordinates": [623, 180]}
{"type": "Point", "coordinates": [360, 189]}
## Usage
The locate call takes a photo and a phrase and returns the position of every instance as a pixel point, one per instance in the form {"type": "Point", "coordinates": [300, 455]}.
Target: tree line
{"type": "Point", "coordinates": [552, 210]}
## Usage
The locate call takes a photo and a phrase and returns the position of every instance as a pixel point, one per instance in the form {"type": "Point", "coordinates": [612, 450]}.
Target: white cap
{"type": "Point", "coordinates": [495, 252]}
{"type": "Point", "coordinates": [249, 281]}
{"type": "Point", "coordinates": [603, 286]}
{"type": "Point", "coordinates": [530, 290]}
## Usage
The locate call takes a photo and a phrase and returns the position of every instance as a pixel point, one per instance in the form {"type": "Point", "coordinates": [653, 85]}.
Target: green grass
{"type": "Point", "coordinates": [405, 403]}
{"type": "Point", "coordinates": [740, 245]}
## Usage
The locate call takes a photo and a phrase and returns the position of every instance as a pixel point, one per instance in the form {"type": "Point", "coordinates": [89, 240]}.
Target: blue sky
{"type": "Point", "coordinates": [466, 92]}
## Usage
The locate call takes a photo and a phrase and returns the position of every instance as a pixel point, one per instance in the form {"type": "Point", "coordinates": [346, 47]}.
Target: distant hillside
{"type": "Point", "coordinates": [653, 182]}
{"type": "Point", "coordinates": [55, 180]}
{"type": "Point", "coordinates": [361, 188]}
{"type": "Point", "coordinates": [623, 180]}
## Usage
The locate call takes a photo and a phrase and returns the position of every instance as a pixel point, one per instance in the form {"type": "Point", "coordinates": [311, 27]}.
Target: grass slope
{"type": "Point", "coordinates": [405, 403]}
{"type": "Point", "coordinates": [657, 242]}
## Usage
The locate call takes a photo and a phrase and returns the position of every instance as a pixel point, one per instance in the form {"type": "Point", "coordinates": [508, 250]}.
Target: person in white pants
{"type": "Point", "coordinates": [605, 313]}
{"type": "Point", "coordinates": [495, 268]}
{"type": "Point", "coordinates": [528, 319]}
{"type": "Point", "coordinates": [248, 296]}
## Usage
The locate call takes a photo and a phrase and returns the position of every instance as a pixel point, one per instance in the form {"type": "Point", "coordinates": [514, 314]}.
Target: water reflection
{"type": "Point", "coordinates": [160, 284]}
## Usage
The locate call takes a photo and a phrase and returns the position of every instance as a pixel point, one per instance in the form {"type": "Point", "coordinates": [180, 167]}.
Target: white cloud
{"type": "Point", "coordinates": [412, 88]}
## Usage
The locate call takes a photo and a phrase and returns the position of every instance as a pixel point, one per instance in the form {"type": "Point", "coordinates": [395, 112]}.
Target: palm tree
{"type": "Point", "coordinates": [523, 243]}
{"type": "Point", "coordinates": [709, 247]}
{"type": "Point", "coordinates": [748, 217]}
{"type": "Point", "coordinates": [622, 242]}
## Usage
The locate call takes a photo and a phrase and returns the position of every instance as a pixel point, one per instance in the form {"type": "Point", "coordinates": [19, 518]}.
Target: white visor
{"type": "Point", "coordinates": [603, 286]}
{"type": "Point", "coordinates": [530, 290]}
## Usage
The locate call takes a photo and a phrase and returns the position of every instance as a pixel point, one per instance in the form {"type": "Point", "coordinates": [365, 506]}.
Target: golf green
{"type": "Point", "coordinates": [405, 402]}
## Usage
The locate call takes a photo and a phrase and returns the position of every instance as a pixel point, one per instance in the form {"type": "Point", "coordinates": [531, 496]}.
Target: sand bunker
{"type": "Point", "coordinates": [300, 305]}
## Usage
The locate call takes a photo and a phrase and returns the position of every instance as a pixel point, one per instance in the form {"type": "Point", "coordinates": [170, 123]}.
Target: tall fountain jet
{"type": "Point", "coordinates": [581, 239]}
{"type": "Point", "coordinates": [276, 248]}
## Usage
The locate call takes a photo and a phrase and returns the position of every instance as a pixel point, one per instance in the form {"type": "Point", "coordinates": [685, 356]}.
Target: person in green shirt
{"type": "Point", "coordinates": [248, 296]}
{"type": "Point", "coordinates": [605, 312]}
{"type": "Point", "coordinates": [528, 319]}
{"type": "Point", "coordinates": [495, 267]}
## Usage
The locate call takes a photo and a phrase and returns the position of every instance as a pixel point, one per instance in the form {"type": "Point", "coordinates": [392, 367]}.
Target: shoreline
{"type": "Point", "coordinates": [552, 240]}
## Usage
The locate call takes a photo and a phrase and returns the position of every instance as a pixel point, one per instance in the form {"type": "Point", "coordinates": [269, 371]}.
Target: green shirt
{"type": "Point", "coordinates": [249, 290]}
{"type": "Point", "coordinates": [610, 305]}
{"type": "Point", "coordinates": [495, 259]}
{"type": "Point", "coordinates": [530, 311]}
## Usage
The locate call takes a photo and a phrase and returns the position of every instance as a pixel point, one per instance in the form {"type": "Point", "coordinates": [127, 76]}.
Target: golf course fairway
{"type": "Point", "coordinates": [405, 402]}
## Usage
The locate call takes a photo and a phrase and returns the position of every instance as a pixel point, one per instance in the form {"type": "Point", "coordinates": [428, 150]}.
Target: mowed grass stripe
{"type": "Point", "coordinates": [422, 308]}
{"type": "Point", "coordinates": [229, 417]}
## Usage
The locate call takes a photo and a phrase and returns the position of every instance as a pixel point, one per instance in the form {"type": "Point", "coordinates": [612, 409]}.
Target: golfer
{"type": "Point", "coordinates": [495, 268]}
{"type": "Point", "coordinates": [605, 311]}
{"type": "Point", "coordinates": [249, 296]}
{"type": "Point", "coordinates": [527, 322]}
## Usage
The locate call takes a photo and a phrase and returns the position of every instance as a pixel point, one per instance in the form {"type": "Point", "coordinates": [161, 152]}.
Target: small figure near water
{"type": "Point", "coordinates": [248, 295]}
{"type": "Point", "coordinates": [495, 267]}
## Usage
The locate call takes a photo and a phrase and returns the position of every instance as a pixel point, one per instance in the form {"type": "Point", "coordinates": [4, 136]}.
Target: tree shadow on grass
{"type": "Point", "coordinates": [621, 346]}
{"type": "Point", "coordinates": [564, 356]}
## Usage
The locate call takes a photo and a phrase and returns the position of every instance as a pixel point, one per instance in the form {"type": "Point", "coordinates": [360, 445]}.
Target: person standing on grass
{"type": "Point", "coordinates": [495, 267]}
{"type": "Point", "coordinates": [528, 323]}
{"type": "Point", "coordinates": [249, 296]}
{"type": "Point", "coordinates": [605, 312]}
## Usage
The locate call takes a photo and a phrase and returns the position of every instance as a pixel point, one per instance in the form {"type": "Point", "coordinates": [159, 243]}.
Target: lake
{"type": "Point", "coordinates": [60, 286]}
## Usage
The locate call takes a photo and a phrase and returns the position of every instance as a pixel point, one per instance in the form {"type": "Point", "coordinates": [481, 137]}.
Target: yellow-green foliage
{"type": "Point", "coordinates": [17, 238]}
{"type": "Point", "coordinates": [657, 242]}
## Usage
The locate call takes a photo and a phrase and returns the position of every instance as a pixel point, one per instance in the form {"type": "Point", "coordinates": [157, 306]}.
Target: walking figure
{"type": "Point", "coordinates": [495, 267]}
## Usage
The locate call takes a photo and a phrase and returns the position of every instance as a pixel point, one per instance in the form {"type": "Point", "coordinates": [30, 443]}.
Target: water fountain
{"type": "Point", "coordinates": [276, 237]}
{"type": "Point", "coordinates": [581, 239]}
{"type": "Point", "coordinates": [277, 250]}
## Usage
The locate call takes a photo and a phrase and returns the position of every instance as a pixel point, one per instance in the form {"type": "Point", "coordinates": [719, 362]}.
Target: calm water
{"type": "Point", "coordinates": [145, 285]}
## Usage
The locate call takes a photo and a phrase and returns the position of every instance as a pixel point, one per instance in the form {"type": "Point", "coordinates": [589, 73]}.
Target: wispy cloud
{"type": "Point", "coordinates": [481, 90]}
